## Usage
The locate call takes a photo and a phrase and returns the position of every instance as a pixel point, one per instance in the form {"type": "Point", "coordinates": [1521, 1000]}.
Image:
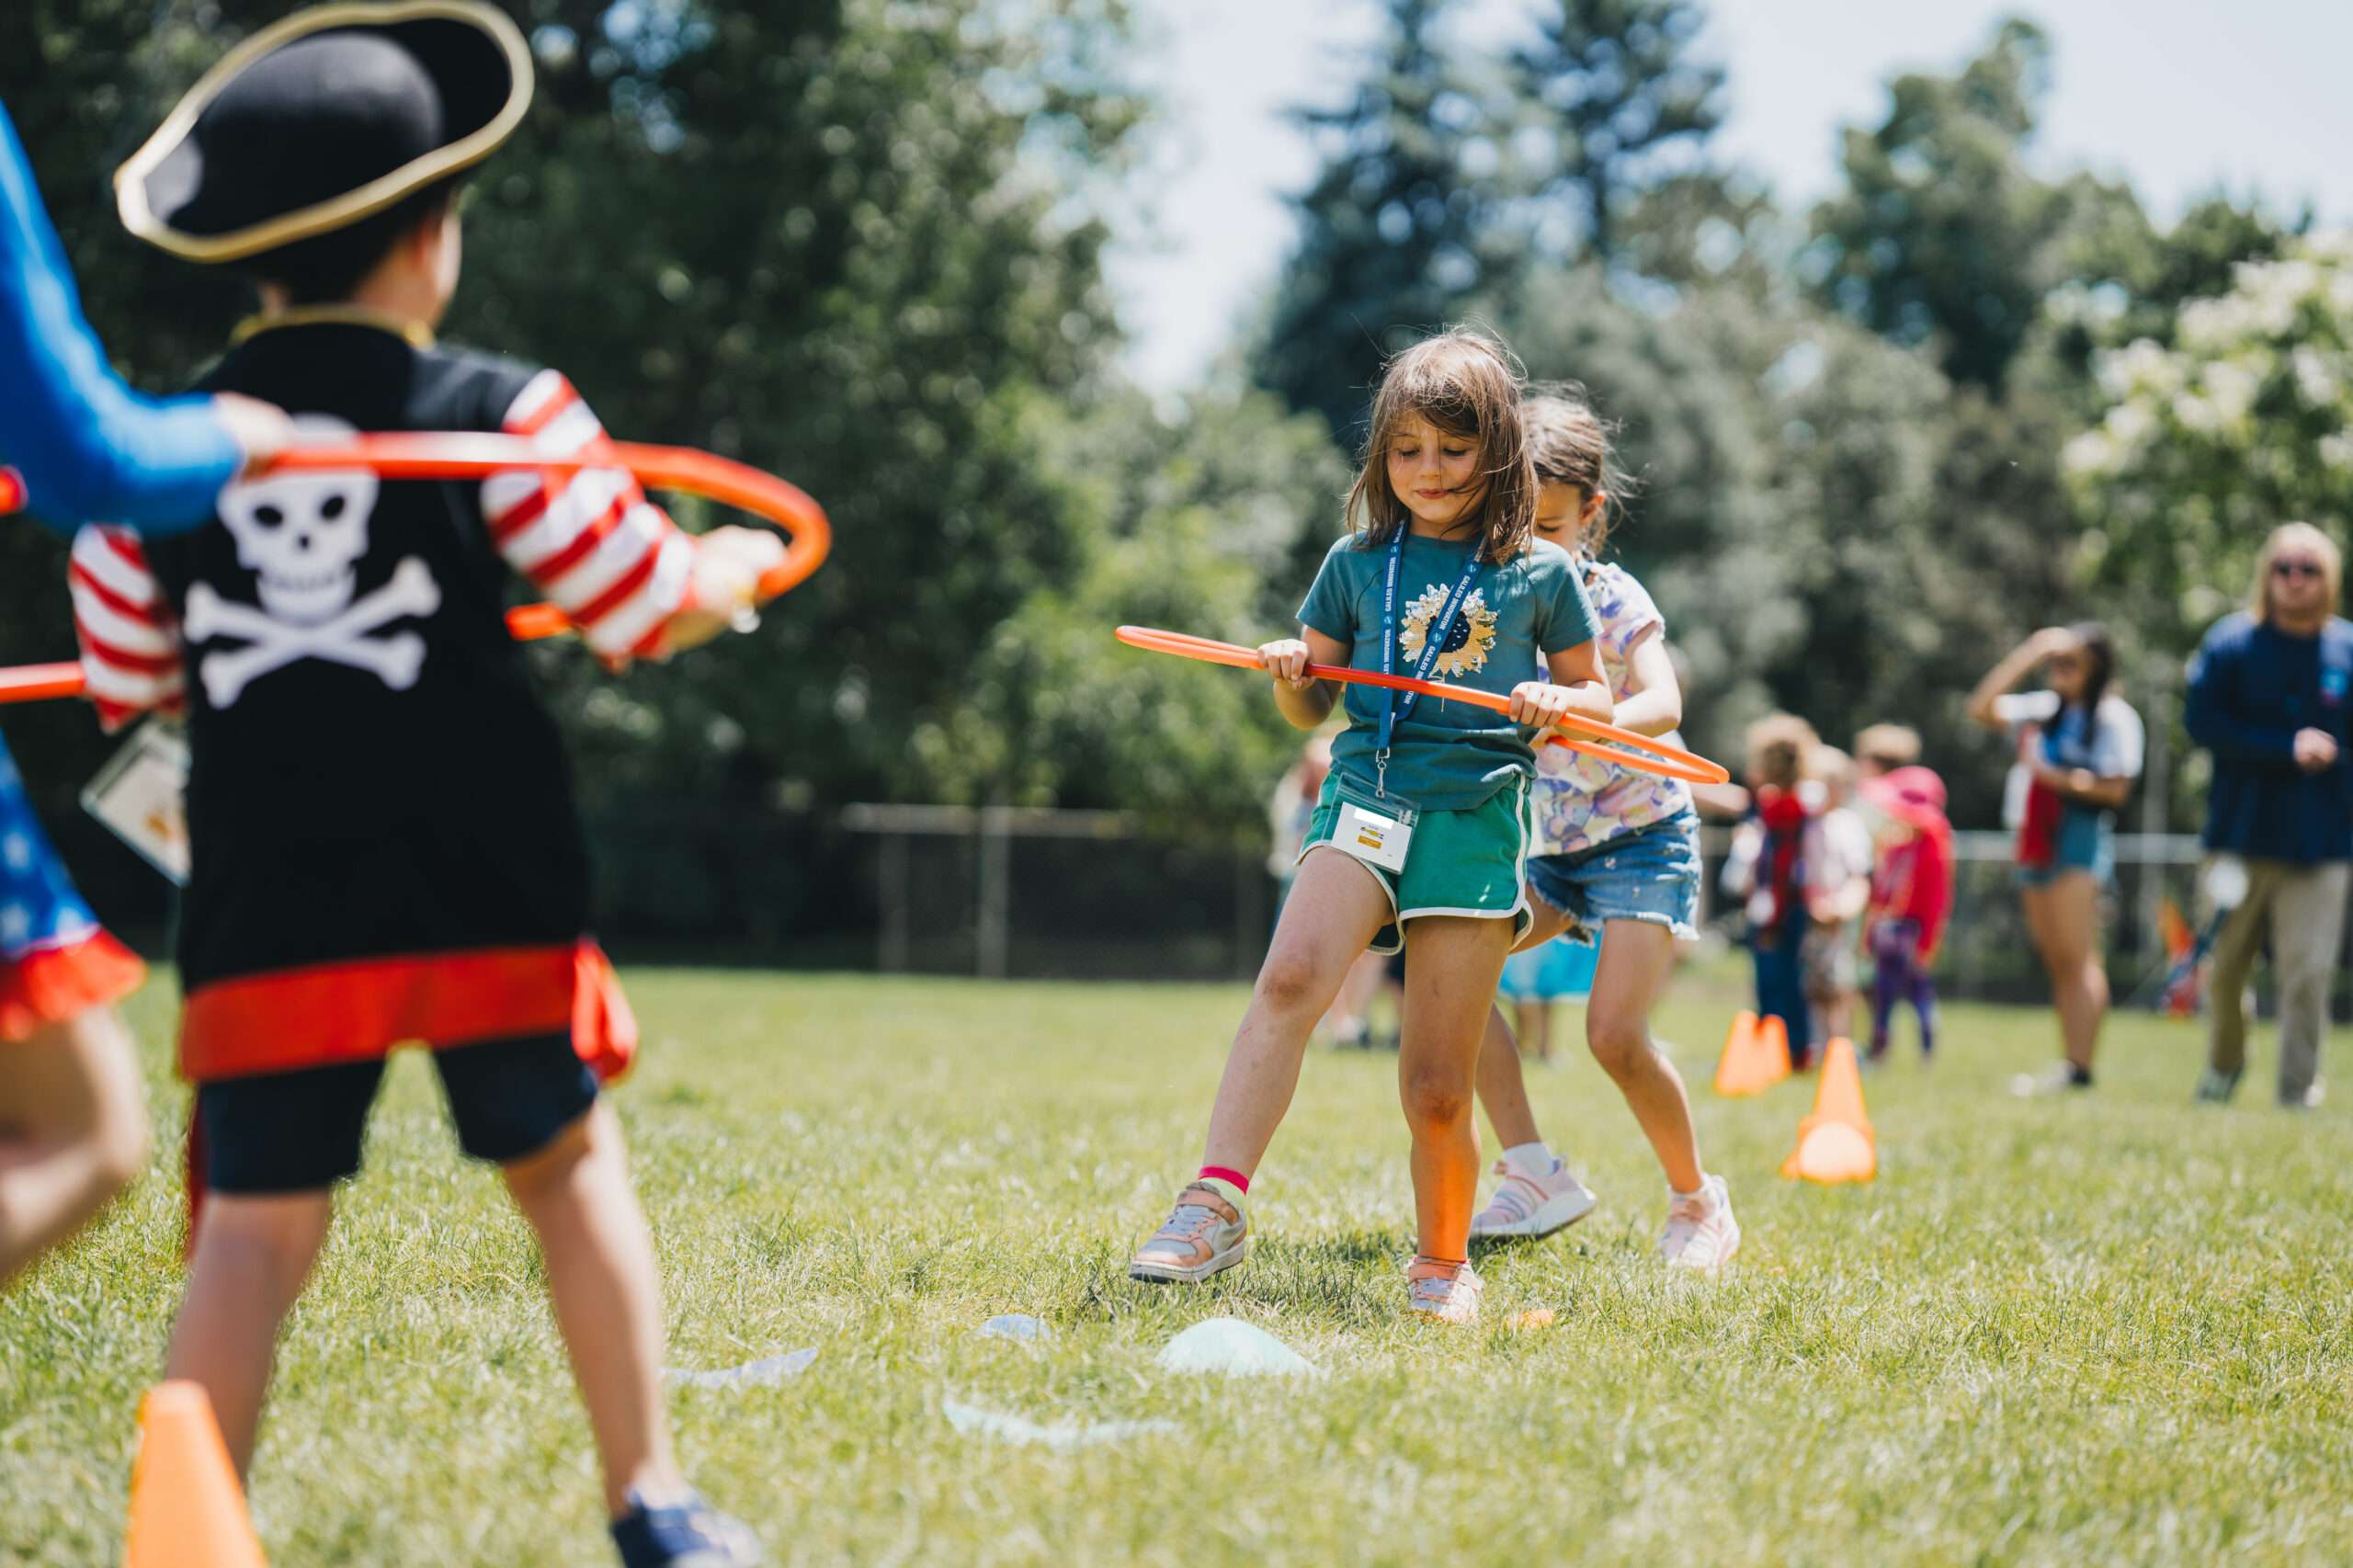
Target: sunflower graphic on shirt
{"type": "Point", "coordinates": [1467, 640]}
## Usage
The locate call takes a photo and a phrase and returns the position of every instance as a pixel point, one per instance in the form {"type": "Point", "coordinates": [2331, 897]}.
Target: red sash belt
{"type": "Point", "coordinates": [325, 1013]}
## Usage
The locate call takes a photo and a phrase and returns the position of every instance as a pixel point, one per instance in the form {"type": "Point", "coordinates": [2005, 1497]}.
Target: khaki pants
{"type": "Point", "coordinates": [2304, 907]}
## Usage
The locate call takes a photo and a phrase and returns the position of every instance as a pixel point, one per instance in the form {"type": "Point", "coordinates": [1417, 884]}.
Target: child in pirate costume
{"type": "Point", "coordinates": [384, 844]}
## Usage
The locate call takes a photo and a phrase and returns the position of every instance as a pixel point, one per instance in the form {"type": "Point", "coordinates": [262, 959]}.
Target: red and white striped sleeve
{"type": "Point", "coordinates": [590, 539]}
{"type": "Point", "coordinates": [130, 650]}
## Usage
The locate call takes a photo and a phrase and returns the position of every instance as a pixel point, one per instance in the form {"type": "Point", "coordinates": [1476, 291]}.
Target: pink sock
{"type": "Point", "coordinates": [1241, 1183]}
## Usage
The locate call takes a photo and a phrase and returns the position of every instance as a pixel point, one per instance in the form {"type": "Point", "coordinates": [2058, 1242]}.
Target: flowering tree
{"type": "Point", "coordinates": [2245, 423]}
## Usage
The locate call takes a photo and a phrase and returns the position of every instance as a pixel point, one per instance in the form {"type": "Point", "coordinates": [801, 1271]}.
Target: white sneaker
{"type": "Point", "coordinates": [1529, 1206]}
{"type": "Point", "coordinates": [1701, 1231]}
{"type": "Point", "coordinates": [1446, 1292]}
{"type": "Point", "coordinates": [1209, 1233]}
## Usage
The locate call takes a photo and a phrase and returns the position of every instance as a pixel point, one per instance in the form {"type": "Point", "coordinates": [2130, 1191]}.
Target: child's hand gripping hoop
{"type": "Point", "coordinates": [1626, 748]}
{"type": "Point", "coordinates": [808, 536]}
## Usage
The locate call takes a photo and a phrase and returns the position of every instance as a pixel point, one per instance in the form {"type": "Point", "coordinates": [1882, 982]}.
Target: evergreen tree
{"type": "Point", "coordinates": [1611, 86]}
{"type": "Point", "coordinates": [1388, 243]}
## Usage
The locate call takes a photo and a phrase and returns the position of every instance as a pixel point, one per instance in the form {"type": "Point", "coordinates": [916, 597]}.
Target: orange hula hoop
{"type": "Point", "coordinates": [417, 455]}
{"type": "Point", "coordinates": [1652, 755]}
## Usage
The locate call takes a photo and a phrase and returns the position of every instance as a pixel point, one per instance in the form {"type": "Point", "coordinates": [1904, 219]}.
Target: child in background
{"type": "Point", "coordinates": [74, 443]}
{"type": "Point", "coordinates": [1619, 859]}
{"type": "Point", "coordinates": [1536, 981]}
{"type": "Point", "coordinates": [1772, 857]}
{"type": "Point", "coordinates": [1911, 898]}
{"type": "Point", "coordinates": [380, 812]}
{"type": "Point", "coordinates": [1835, 897]}
{"type": "Point", "coordinates": [1422, 826]}
{"type": "Point", "coordinates": [1883, 749]}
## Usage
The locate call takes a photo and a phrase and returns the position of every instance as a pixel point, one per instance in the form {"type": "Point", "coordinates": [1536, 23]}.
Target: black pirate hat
{"type": "Point", "coordinates": [324, 119]}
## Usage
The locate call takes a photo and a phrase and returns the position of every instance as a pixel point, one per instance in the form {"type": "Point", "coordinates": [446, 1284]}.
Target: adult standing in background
{"type": "Point", "coordinates": [2268, 698]}
{"type": "Point", "coordinates": [2079, 748]}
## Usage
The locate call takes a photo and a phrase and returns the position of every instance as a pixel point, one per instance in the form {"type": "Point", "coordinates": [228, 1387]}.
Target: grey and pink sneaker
{"type": "Point", "coordinates": [1525, 1207]}
{"type": "Point", "coordinates": [1209, 1233]}
{"type": "Point", "coordinates": [1445, 1293]}
{"type": "Point", "coordinates": [1701, 1231]}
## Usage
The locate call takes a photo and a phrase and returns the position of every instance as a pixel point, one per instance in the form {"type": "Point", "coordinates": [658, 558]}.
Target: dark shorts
{"type": "Point", "coordinates": [301, 1131]}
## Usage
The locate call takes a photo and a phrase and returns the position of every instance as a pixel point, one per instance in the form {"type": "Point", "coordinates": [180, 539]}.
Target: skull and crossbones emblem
{"type": "Point", "coordinates": [303, 535]}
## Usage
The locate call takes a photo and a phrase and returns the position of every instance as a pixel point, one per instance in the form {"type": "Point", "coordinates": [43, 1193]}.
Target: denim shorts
{"type": "Point", "coordinates": [1651, 874]}
{"type": "Point", "coordinates": [2085, 842]}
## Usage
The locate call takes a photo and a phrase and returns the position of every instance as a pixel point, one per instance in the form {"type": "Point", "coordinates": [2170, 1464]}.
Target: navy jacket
{"type": "Point", "coordinates": [2251, 689]}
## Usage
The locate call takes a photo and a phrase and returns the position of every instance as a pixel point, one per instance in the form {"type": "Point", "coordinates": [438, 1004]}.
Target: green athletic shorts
{"type": "Point", "coordinates": [1469, 863]}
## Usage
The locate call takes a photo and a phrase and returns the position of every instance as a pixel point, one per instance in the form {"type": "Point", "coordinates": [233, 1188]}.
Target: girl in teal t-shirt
{"type": "Point", "coordinates": [1421, 834]}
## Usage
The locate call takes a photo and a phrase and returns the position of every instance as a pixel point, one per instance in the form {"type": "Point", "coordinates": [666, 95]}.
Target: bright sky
{"type": "Point", "coordinates": [2150, 89]}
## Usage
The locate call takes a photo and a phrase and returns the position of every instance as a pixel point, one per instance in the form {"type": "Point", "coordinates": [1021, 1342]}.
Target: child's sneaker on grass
{"type": "Point", "coordinates": [1531, 1204]}
{"type": "Point", "coordinates": [2216, 1088]}
{"type": "Point", "coordinates": [1446, 1293]}
{"type": "Point", "coordinates": [1208, 1234]}
{"type": "Point", "coordinates": [691, 1534]}
{"type": "Point", "coordinates": [1701, 1231]}
{"type": "Point", "coordinates": [2065, 1078]}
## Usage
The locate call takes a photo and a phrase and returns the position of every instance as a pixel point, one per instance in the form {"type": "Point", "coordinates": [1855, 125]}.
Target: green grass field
{"type": "Point", "coordinates": [2113, 1329]}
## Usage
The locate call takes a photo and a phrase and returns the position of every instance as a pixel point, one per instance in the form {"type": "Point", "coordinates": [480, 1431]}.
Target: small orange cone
{"type": "Point", "coordinates": [1835, 1143]}
{"type": "Point", "coordinates": [187, 1509]}
{"type": "Point", "coordinates": [1757, 1056]}
{"type": "Point", "coordinates": [1733, 1071]}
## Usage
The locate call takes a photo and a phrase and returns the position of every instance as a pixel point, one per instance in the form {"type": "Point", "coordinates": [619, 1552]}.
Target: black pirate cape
{"type": "Point", "coordinates": [384, 843]}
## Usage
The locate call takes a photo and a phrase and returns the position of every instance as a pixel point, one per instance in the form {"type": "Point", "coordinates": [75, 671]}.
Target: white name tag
{"type": "Point", "coordinates": [1375, 839]}
{"type": "Point", "coordinates": [140, 795]}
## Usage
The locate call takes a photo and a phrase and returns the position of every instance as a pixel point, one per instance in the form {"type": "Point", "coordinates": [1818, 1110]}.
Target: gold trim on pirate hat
{"type": "Point", "coordinates": [324, 119]}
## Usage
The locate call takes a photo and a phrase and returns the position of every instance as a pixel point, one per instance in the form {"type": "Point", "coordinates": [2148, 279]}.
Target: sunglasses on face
{"type": "Point", "coordinates": [2295, 569]}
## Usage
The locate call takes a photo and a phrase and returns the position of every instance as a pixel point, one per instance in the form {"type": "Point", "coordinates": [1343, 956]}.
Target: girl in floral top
{"type": "Point", "coordinates": [1615, 858]}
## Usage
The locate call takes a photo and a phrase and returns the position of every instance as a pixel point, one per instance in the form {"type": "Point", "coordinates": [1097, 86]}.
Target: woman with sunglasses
{"type": "Point", "coordinates": [2268, 698]}
{"type": "Point", "coordinates": [2079, 749]}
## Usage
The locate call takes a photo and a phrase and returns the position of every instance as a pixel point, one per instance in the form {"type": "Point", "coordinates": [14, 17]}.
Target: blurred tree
{"type": "Point", "coordinates": [1202, 511]}
{"type": "Point", "coordinates": [2245, 423]}
{"type": "Point", "coordinates": [1943, 239]}
{"type": "Point", "coordinates": [853, 240]}
{"type": "Point", "coordinates": [1389, 231]}
{"type": "Point", "coordinates": [1610, 92]}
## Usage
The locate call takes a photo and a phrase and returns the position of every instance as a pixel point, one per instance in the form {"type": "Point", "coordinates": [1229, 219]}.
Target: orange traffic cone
{"type": "Point", "coordinates": [1835, 1143]}
{"type": "Point", "coordinates": [1757, 1056]}
{"type": "Point", "coordinates": [1733, 1069]}
{"type": "Point", "coordinates": [187, 1509]}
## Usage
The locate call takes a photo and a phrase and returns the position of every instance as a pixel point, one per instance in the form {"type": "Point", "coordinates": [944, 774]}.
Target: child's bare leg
{"type": "Point", "coordinates": [72, 1130]}
{"type": "Point", "coordinates": [607, 1295]}
{"type": "Point", "coordinates": [1549, 922]}
{"type": "Point", "coordinates": [1503, 1088]}
{"type": "Point", "coordinates": [1530, 1027]}
{"type": "Point", "coordinates": [1347, 1017]}
{"type": "Point", "coordinates": [253, 1251]}
{"type": "Point", "coordinates": [1335, 908]}
{"type": "Point", "coordinates": [1451, 968]}
{"type": "Point", "coordinates": [1636, 958]}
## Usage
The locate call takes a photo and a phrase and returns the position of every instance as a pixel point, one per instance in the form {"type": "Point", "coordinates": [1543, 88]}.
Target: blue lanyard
{"type": "Point", "coordinates": [1396, 706]}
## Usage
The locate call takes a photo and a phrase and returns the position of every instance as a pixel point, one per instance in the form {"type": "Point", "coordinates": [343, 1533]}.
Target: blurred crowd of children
{"type": "Point", "coordinates": [1837, 856]}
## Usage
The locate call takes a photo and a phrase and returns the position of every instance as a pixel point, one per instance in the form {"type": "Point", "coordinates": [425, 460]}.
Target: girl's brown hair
{"type": "Point", "coordinates": [1569, 442]}
{"type": "Point", "coordinates": [1467, 384]}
